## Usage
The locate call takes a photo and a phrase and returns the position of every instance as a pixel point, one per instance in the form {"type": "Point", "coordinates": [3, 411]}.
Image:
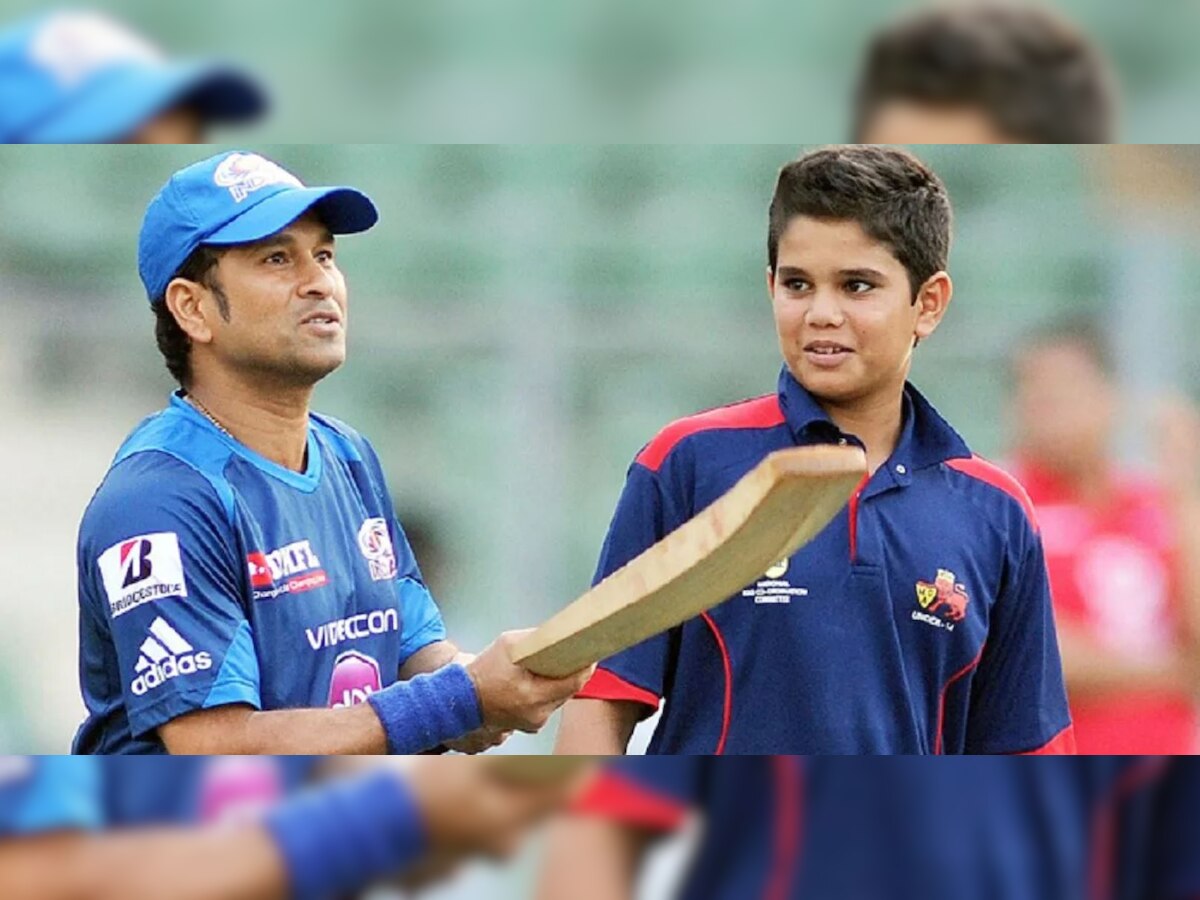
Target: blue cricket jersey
{"type": "Point", "coordinates": [49, 793]}
{"type": "Point", "coordinates": [198, 790]}
{"type": "Point", "coordinates": [210, 575]}
{"type": "Point", "coordinates": [787, 828]}
{"type": "Point", "coordinates": [918, 622]}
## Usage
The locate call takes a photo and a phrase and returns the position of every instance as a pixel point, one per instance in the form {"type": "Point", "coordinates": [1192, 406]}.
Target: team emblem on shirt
{"type": "Point", "coordinates": [376, 546]}
{"type": "Point", "coordinates": [773, 588]}
{"type": "Point", "coordinates": [245, 173]}
{"type": "Point", "coordinates": [142, 569]}
{"type": "Point", "coordinates": [943, 596]}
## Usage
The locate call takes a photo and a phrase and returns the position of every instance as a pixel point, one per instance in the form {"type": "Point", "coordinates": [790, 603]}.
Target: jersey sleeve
{"type": "Point", "coordinates": [161, 572]}
{"type": "Point", "coordinates": [652, 793]}
{"type": "Point", "coordinates": [1019, 701]}
{"type": "Point", "coordinates": [642, 518]}
{"type": "Point", "coordinates": [48, 793]}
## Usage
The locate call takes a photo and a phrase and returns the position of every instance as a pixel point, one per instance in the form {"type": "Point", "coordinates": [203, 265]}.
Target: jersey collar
{"type": "Point", "coordinates": [926, 440]}
{"type": "Point", "coordinates": [305, 481]}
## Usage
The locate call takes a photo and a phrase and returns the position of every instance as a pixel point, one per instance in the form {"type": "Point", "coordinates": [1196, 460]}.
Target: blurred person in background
{"type": "Point", "coordinates": [225, 829]}
{"type": "Point", "coordinates": [70, 77]}
{"type": "Point", "coordinates": [792, 828]}
{"type": "Point", "coordinates": [1122, 548]}
{"type": "Point", "coordinates": [244, 584]}
{"type": "Point", "coordinates": [919, 621]}
{"type": "Point", "coordinates": [984, 73]}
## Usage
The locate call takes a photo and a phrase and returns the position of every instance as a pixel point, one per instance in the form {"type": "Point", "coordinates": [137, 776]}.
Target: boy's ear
{"type": "Point", "coordinates": [932, 301]}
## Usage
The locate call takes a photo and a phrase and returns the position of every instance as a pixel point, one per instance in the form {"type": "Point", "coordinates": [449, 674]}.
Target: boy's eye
{"type": "Point", "coordinates": [795, 284]}
{"type": "Point", "coordinates": [858, 286]}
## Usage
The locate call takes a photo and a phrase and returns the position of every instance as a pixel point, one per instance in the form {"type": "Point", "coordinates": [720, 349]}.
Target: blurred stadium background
{"type": "Point", "coordinates": [612, 70]}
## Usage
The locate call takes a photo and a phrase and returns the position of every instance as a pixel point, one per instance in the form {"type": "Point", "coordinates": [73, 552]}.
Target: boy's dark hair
{"type": "Point", "coordinates": [173, 342]}
{"type": "Point", "coordinates": [891, 194]}
{"type": "Point", "coordinates": [1035, 75]}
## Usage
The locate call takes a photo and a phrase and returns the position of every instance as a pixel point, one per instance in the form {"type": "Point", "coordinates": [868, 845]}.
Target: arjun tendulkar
{"type": "Point", "coordinates": [919, 620]}
{"type": "Point", "coordinates": [244, 586]}
{"type": "Point", "coordinates": [235, 828]}
{"type": "Point", "coordinates": [789, 828]}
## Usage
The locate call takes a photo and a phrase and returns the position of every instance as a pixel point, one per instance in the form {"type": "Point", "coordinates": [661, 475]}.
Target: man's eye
{"type": "Point", "coordinates": [795, 284]}
{"type": "Point", "coordinates": [858, 286]}
{"type": "Point", "coordinates": [276, 258]}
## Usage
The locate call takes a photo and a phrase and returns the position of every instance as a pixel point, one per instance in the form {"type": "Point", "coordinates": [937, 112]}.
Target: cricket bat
{"type": "Point", "coordinates": [540, 770]}
{"type": "Point", "coordinates": [773, 511]}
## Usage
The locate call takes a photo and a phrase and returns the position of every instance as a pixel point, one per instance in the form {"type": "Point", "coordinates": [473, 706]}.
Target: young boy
{"type": "Point", "coordinates": [919, 621]}
{"type": "Point", "coordinates": [786, 828]}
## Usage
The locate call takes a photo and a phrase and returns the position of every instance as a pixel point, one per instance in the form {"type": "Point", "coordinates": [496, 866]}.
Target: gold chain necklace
{"type": "Point", "coordinates": [203, 410]}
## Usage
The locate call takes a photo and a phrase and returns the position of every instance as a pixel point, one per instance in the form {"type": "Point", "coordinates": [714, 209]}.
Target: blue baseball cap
{"type": "Point", "coordinates": [235, 198]}
{"type": "Point", "coordinates": [79, 77]}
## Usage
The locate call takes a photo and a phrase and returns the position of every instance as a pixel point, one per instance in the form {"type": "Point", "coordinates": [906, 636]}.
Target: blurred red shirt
{"type": "Point", "coordinates": [1114, 573]}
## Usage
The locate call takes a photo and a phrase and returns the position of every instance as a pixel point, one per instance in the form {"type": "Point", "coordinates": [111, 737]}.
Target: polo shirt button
{"type": "Point", "coordinates": [901, 470]}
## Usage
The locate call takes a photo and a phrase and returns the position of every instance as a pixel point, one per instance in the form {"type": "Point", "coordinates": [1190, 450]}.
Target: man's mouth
{"type": "Point", "coordinates": [321, 318]}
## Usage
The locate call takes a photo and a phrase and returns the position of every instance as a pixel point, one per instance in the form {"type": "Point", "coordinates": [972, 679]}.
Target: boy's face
{"type": "Point", "coordinates": [844, 311]}
{"type": "Point", "coordinates": [907, 122]}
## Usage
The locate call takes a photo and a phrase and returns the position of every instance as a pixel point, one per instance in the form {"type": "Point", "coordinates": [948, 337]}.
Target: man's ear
{"type": "Point", "coordinates": [933, 299]}
{"type": "Point", "coordinates": [183, 299]}
{"type": "Point", "coordinates": [770, 282]}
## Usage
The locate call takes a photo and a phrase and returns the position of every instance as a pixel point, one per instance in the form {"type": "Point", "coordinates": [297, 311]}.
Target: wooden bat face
{"type": "Point", "coordinates": [773, 511]}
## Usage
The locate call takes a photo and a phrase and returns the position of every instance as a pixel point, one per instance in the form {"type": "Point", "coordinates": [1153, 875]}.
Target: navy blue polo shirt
{"type": "Point", "coordinates": [210, 575]}
{"type": "Point", "coordinates": [838, 828]}
{"type": "Point", "coordinates": [918, 622]}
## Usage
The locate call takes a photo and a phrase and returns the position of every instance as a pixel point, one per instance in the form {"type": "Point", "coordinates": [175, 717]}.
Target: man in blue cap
{"type": "Point", "coordinates": [244, 585]}
{"type": "Point", "coordinates": [80, 77]}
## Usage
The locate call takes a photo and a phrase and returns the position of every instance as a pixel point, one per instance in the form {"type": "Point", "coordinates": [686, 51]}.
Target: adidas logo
{"type": "Point", "coordinates": [165, 655]}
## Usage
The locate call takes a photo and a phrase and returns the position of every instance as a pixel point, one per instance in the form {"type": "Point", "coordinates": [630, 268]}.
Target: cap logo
{"type": "Point", "coordinates": [72, 46]}
{"type": "Point", "coordinates": [245, 173]}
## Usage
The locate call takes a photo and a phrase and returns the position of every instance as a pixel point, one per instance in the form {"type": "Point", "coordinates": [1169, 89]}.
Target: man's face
{"type": "Point", "coordinates": [906, 122]}
{"type": "Point", "coordinates": [287, 305]}
{"type": "Point", "coordinates": [844, 311]}
{"type": "Point", "coordinates": [181, 125]}
{"type": "Point", "coordinates": [1064, 406]}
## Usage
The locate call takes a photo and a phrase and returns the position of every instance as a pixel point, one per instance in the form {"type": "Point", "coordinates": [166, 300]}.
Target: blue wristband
{"type": "Point", "coordinates": [340, 838]}
{"type": "Point", "coordinates": [425, 711]}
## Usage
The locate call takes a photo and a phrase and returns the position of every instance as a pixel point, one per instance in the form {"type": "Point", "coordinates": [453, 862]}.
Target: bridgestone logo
{"type": "Point", "coordinates": [165, 655]}
{"type": "Point", "coordinates": [142, 569]}
{"type": "Point", "coordinates": [380, 621]}
{"type": "Point", "coordinates": [145, 595]}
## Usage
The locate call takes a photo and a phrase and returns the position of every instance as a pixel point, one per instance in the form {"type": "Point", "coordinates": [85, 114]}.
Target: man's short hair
{"type": "Point", "coordinates": [173, 342]}
{"type": "Point", "coordinates": [1037, 77]}
{"type": "Point", "coordinates": [893, 196]}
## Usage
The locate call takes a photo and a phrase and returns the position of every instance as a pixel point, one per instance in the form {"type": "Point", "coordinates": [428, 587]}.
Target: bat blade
{"type": "Point", "coordinates": [773, 511]}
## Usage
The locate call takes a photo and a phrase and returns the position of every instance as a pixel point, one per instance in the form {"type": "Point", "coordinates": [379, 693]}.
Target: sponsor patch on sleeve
{"type": "Point", "coordinates": [141, 570]}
